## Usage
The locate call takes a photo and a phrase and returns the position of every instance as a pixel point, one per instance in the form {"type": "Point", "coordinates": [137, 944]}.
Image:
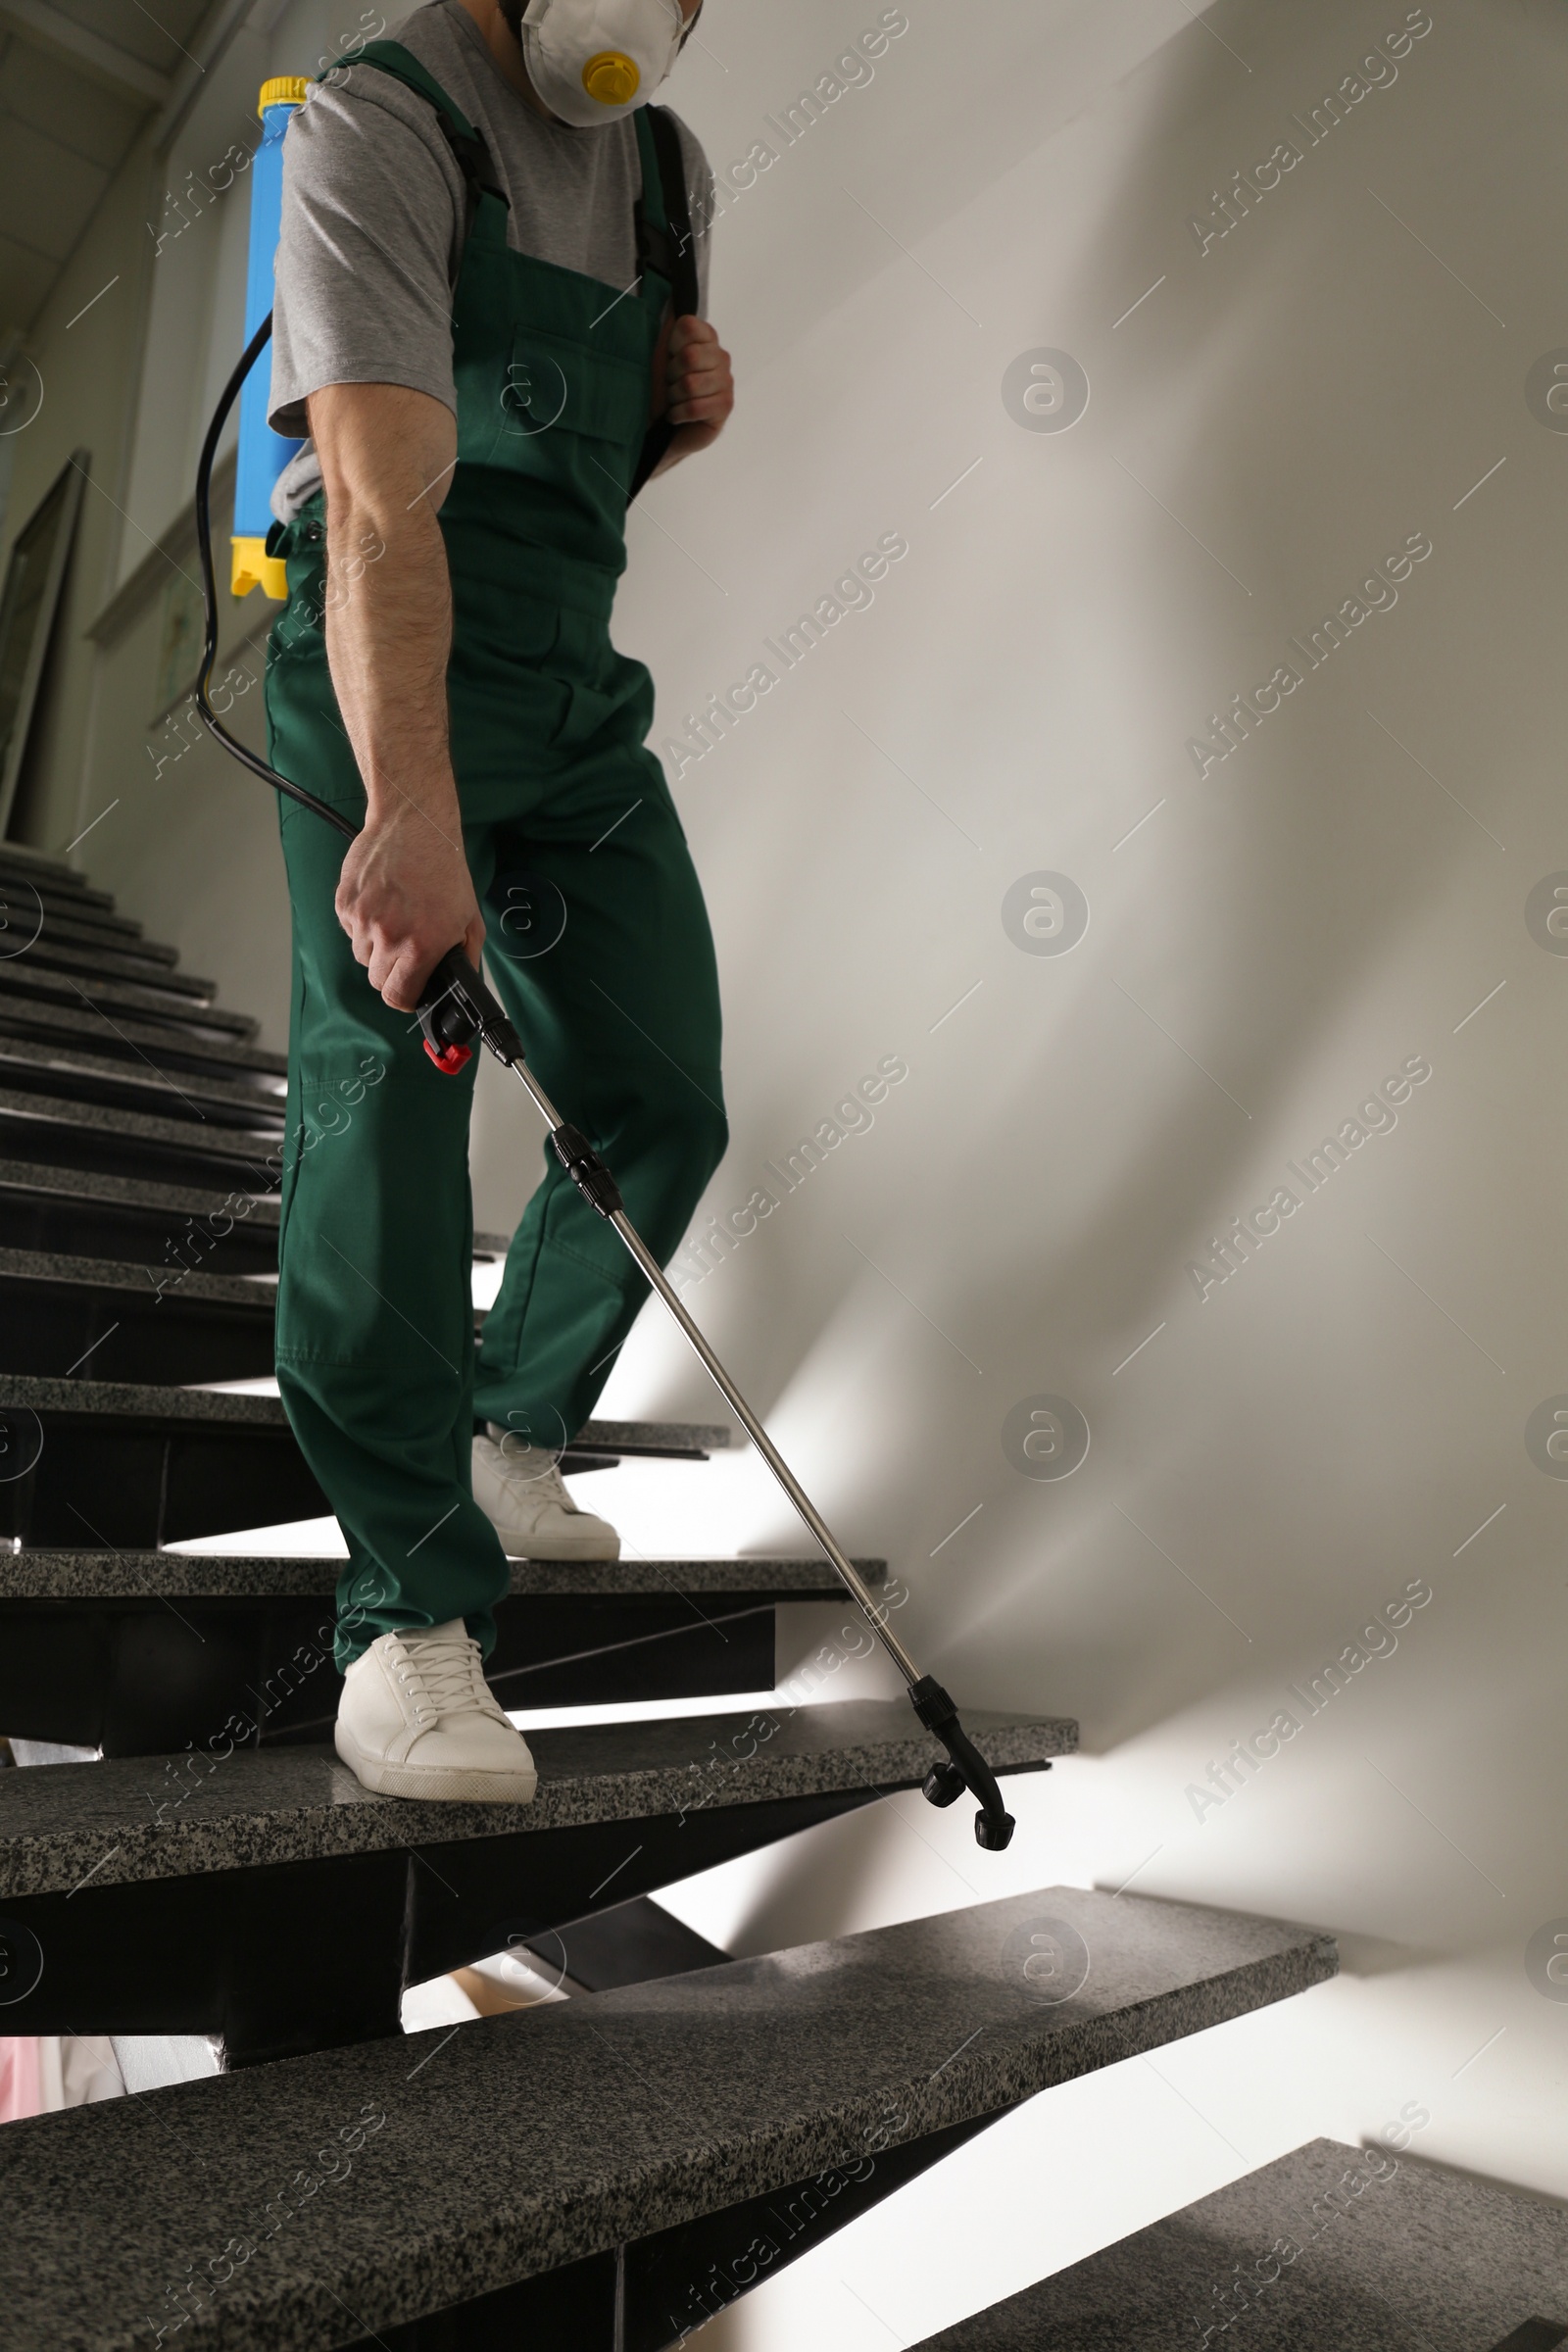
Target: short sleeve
{"type": "Point", "coordinates": [372, 203]}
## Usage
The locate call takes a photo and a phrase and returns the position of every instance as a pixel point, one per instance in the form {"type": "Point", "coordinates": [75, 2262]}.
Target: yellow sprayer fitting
{"type": "Point", "coordinates": [284, 89]}
{"type": "Point", "coordinates": [254, 567]}
{"type": "Point", "coordinates": [611, 78]}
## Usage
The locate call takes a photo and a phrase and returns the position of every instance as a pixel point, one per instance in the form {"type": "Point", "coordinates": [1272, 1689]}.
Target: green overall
{"type": "Point", "coordinates": [598, 946]}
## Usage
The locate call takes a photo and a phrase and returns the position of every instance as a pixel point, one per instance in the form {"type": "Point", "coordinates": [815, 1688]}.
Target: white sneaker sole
{"type": "Point", "coordinates": [454, 1783]}
{"type": "Point", "coordinates": [520, 1547]}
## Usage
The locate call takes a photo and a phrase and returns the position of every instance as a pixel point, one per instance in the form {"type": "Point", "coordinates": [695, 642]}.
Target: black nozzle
{"type": "Point", "coordinates": [966, 1768]}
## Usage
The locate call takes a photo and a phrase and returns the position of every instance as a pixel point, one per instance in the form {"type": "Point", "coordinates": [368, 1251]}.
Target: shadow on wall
{"type": "Point", "coordinates": [1267, 582]}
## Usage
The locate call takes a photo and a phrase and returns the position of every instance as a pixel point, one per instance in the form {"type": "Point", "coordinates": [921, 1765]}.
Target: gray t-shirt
{"type": "Point", "coordinates": [373, 210]}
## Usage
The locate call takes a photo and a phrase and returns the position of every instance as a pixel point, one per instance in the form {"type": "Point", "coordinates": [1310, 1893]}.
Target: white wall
{"type": "Point", "coordinates": [1339, 894]}
{"type": "Point", "coordinates": [1338, 1418]}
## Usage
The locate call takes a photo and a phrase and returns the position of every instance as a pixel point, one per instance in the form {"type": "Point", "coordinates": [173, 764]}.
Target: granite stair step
{"type": "Point", "coordinates": [77, 1073]}
{"type": "Point", "coordinates": [608, 2171]}
{"type": "Point", "coordinates": [1329, 2249]}
{"type": "Point", "coordinates": [107, 1137]}
{"type": "Point", "coordinates": [83, 927]}
{"type": "Point", "coordinates": [142, 1652]}
{"type": "Point", "coordinates": [94, 1212]}
{"type": "Point", "coordinates": [210, 1874]}
{"type": "Point", "coordinates": [51, 952]}
{"type": "Point", "coordinates": [165, 1465]}
{"type": "Point", "coordinates": [56, 885]}
{"type": "Point", "coordinates": [19, 979]}
{"type": "Point", "coordinates": [156, 1325]}
{"type": "Point", "coordinates": [92, 1030]}
{"type": "Point", "coordinates": [17, 858]}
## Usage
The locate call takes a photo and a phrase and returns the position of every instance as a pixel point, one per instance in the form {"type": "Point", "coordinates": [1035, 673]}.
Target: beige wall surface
{"type": "Point", "coordinates": [1184, 798]}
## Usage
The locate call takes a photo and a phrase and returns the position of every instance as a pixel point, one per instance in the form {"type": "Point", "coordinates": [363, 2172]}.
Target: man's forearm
{"type": "Point", "coordinates": [405, 895]}
{"type": "Point", "coordinates": [388, 637]}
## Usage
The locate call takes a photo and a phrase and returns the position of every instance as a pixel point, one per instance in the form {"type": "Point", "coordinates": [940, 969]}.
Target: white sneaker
{"type": "Point", "coordinates": [418, 1718]}
{"type": "Point", "coordinates": [522, 1492]}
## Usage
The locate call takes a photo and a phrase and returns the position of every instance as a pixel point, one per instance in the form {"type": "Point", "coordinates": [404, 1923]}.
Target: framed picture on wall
{"type": "Point", "coordinates": [29, 603]}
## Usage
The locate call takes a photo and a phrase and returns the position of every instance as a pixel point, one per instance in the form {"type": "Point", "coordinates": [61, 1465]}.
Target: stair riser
{"type": "Point", "coordinates": [145, 1679]}
{"type": "Point", "coordinates": [48, 1329]}
{"type": "Point", "coordinates": [85, 930]}
{"type": "Point", "coordinates": [205, 1163]}
{"type": "Point", "coordinates": [136, 1234]}
{"type": "Point", "coordinates": [120, 1000]}
{"type": "Point", "coordinates": [89, 959]}
{"type": "Point", "coordinates": [102, 1480]}
{"type": "Point", "coordinates": [282, 1958]}
{"type": "Point", "coordinates": [185, 1096]}
{"type": "Point", "coordinates": [23, 884]}
{"type": "Point", "coordinates": [79, 1031]}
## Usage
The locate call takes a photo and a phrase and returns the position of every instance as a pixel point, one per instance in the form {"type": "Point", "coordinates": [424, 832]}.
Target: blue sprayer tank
{"type": "Point", "coordinates": [263, 454]}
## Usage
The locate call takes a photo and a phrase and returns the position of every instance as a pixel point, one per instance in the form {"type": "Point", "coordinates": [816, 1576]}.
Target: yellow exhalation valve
{"type": "Point", "coordinates": [611, 78]}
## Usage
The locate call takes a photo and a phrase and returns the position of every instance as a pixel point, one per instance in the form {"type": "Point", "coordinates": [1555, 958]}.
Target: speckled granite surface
{"type": "Point", "coordinates": [91, 927]}
{"type": "Point", "coordinates": [54, 952]}
{"type": "Point", "coordinates": [132, 1192]}
{"type": "Point", "coordinates": [707, 1437]}
{"type": "Point", "coordinates": [107, 1575]}
{"type": "Point", "coordinates": [135, 1401]}
{"type": "Point", "coordinates": [141, 1400]}
{"type": "Point", "coordinates": [235, 1144]}
{"type": "Point", "coordinates": [127, 1819]}
{"type": "Point", "coordinates": [523, 2142]}
{"type": "Point", "coordinates": [17, 980]}
{"type": "Point", "coordinates": [113, 1274]}
{"type": "Point", "coordinates": [263, 1092]}
{"type": "Point", "coordinates": [79, 1020]}
{"type": "Point", "coordinates": [1330, 2249]}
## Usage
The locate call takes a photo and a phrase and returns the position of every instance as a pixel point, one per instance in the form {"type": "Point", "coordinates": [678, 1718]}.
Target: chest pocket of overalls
{"type": "Point", "coordinates": [550, 408]}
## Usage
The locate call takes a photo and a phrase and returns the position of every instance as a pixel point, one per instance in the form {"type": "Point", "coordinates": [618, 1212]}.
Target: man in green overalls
{"type": "Point", "coordinates": [481, 238]}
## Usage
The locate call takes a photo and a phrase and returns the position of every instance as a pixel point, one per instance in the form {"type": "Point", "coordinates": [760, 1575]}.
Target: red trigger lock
{"type": "Point", "coordinates": [450, 1059]}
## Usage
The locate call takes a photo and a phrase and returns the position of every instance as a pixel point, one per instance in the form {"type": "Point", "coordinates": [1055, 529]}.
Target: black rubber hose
{"type": "Point", "coordinates": [203, 552]}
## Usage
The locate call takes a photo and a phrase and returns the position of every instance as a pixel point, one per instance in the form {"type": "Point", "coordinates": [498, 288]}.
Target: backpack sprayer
{"type": "Point", "coordinates": [457, 1011]}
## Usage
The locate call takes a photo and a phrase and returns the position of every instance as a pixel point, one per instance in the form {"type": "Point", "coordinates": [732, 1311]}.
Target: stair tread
{"type": "Point", "coordinates": [139, 1401]}
{"type": "Point", "coordinates": [97, 1184]}
{"type": "Point", "coordinates": [123, 1274]}
{"type": "Point", "coordinates": [78, 1021]}
{"type": "Point", "coordinates": [18, 858]}
{"type": "Point", "coordinates": [1424, 2259]}
{"type": "Point", "coordinates": [136, 1126]}
{"type": "Point", "coordinates": [532, 2140]}
{"type": "Point", "coordinates": [119, 995]}
{"type": "Point", "coordinates": [89, 929]}
{"type": "Point", "coordinates": [106, 1575]}
{"type": "Point", "coordinates": [128, 1820]}
{"type": "Point", "coordinates": [265, 1094]}
{"type": "Point", "coordinates": [52, 951]}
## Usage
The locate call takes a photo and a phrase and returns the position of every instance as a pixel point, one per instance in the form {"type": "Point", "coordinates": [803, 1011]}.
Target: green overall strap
{"type": "Point", "coordinates": [670, 248]}
{"type": "Point", "coordinates": [468, 149]}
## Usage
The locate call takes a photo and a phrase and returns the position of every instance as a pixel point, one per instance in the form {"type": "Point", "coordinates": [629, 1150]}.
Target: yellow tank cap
{"type": "Point", "coordinates": [611, 77]}
{"type": "Point", "coordinates": [254, 567]}
{"type": "Point", "coordinates": [284, 89]}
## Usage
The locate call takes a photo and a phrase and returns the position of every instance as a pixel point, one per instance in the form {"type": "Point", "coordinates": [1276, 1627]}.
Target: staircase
{"type": "Point", "coordinates": [1330, 2249]}
{"type": "Point", "coordinates": [597, 2172]}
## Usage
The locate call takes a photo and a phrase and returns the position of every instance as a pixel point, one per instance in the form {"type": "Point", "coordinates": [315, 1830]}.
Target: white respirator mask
{"type": "Point", "coordinates": [593, 61]}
